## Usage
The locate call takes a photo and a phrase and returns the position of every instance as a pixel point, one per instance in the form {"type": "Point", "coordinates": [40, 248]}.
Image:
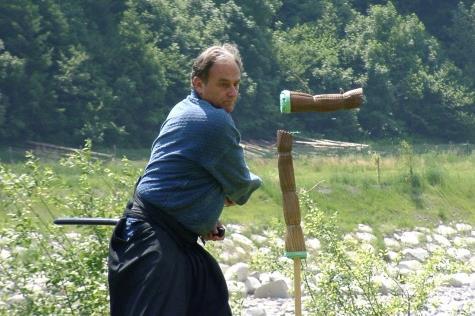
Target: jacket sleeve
{"type": "Point", "coordinates": [228, 165]}
{"type": "Point", "coordinates": [231, 171]}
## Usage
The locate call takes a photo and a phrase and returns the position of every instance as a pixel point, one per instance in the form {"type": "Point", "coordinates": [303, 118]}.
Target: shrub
{"type": "Point", "coordinates": [48, 270]}
{"type": "Point", "coordinates": [347, 280]}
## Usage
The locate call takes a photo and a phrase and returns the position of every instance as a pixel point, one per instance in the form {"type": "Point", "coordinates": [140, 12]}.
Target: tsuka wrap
{"type": "Point", "coordinates": [294, 240]}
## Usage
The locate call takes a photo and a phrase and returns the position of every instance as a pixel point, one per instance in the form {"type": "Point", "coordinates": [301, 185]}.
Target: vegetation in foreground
{"type": "Point", "coordinates": [401, 188]}
{"type": "Point", "coordinates": [47, 269]}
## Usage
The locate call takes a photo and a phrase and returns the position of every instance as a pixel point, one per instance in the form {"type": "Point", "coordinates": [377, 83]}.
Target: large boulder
{"type": "Point", "coordinates": [251, 284]}
{"type": "Point", "coordinates": [411, 238]}
{"type": "Point", "coordinates": [445, 230]}
{"type": "Point", "coordinates": [272, 289]}
{"type": "Point", "coordinates": [418, 254]}
{"type": "Point", "coordinates": [238, 271]}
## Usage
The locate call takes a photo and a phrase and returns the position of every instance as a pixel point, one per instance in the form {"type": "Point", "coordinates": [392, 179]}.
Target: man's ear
{"type": "Point", "coordinates": [197, 84]}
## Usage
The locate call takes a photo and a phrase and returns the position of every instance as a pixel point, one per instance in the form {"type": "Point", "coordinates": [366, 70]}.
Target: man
{"type": "Point", "coordinates": [156, 266]}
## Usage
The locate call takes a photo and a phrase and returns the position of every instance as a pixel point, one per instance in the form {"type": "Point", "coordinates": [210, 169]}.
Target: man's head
{"type": "Point", "coordinates": [216, 74]}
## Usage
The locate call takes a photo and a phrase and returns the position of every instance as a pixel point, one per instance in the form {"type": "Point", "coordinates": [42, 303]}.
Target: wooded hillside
{"type": "Point", "coordinates": [110, 70]}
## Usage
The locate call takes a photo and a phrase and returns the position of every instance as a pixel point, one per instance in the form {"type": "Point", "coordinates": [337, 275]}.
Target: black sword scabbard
{"type": "Point", "coordinates": [86, 221]}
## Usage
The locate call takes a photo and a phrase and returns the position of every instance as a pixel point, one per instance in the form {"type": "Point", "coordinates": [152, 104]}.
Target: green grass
{"type": "Point", "coordinates": [440, 189]}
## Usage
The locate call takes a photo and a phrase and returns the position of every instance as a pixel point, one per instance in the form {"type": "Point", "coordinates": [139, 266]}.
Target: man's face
{"type": "Point", "coordinates": [222, 87]}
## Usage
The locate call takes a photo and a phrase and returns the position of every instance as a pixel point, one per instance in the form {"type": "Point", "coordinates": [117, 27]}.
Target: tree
{"type": "Point", "coordinates": [461, 45]}
{"type": "Point", "coordinates": [26, 28]}
{"type": "Point", "coordinates": [258, 102]}
{"type": "Point", "coordinates": [311, 61]}
{"type": "Point", "coordinates": [85, 71]}
{"type": "Point", "coordinates": [110, 70]}
{"type": "Point", "coordinates": [434, 14]}
{"type": "Point", "coordinates": [11, 74]}
{"type": "Point", "coordinates": [410, 85]}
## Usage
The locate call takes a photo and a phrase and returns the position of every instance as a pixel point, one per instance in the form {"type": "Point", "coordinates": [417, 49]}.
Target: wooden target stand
{"type": "Point", "coordinates": [294, 240]}
{"type": "Point", "coordinates": [301, 102]}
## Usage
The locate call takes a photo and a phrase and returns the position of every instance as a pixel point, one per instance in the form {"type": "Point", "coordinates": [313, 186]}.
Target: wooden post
{"type": "Point", "coordinates": [297, 287]}
{"type": "Point", "coordinates": [294, 240]}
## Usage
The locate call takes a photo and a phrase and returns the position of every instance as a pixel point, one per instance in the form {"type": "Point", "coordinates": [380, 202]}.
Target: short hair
{"type": "Point", "coordinates": [209, 56]}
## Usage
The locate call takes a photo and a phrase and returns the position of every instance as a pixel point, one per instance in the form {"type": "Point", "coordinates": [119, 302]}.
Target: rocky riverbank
{"type": "Point", "coordinates": [270, 292]}
{"type": "Point", "coordinates": [257, 288]}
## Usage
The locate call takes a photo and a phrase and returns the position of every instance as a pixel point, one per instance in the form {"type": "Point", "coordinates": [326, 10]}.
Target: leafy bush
{"type": "Point", "coordinates": [350, 275]}
{"type": "Point", "coordinates": [50, 270]}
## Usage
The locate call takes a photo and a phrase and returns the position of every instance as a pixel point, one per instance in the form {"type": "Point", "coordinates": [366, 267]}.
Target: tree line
{"type": "Point", "coordinates": [110, 70]}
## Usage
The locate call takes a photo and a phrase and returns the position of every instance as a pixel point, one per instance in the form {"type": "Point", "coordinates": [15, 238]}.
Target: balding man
{"type": "Point", "coordinates": [156, 266]}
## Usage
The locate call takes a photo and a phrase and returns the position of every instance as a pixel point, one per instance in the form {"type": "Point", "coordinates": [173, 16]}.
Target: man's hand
{"type": "Point", "coordinates": [228, 202]}
{"type": "Point", "coordinates": [215, 234]}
